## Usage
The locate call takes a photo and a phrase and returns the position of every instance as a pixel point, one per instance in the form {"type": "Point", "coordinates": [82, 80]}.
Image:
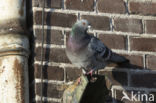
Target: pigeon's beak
{"type": "Point", "coordinates": [89, 27]}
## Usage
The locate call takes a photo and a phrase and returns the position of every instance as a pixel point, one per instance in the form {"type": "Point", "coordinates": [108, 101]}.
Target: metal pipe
{"type": "Point", "coordinates": [12, 16]}
{"type": "Point", "coordinates": [14, 52]}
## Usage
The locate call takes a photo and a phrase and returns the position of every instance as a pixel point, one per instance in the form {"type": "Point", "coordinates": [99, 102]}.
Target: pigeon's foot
{"type": "Point", "coordinates": [90, 73]}
{"type": "Point", "coordinates": [90, 76]}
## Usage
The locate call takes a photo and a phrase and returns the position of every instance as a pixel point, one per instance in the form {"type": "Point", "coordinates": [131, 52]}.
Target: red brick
{"type": "Point", "coordinates": [111, 6]}
{"type": "Point", "coordinates": [144, 8]}
{"type": "Point", "coordinates": [50, 90]}
{"type": "Point", "coordinates": [143, 44]}
{"type": "Point", "coordinates": [150, 26]}
{"type": "Point", "coordinates": [113, 41]}
{"type": "Point", "coordinates": [54, 55]}
{"type": "Point", "coordinates": [151, 62]}
{"type": "Point", "coordinates": [98, 22]}
{"type": "Point", "coordinates": [143, 80]}
{"type": "Point", "coordinates": [128, 25]}
{"type": "Point", "coordinates": [85, 5]}
{"type": "Point", "coordinates": [135, 59]}
{"type": "Point", "coordinates": [50, 72]}
{"type": "Point", "coordinates": [55, 19]}
{"type": "Point", "coordinates": [51, 36]}
{"type": "Point", "coordinates": [48, 3]}
{"type": "Point", "coordinates": [73, 73]}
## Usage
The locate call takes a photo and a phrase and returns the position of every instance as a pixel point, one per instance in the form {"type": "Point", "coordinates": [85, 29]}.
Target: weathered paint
{"type": "Point", "coordinates": [12, 16]}
{"type": "Point", "coordinates": [14, 51]}
{"type": "Point", "coordinates": [11, 9]}
{"type": "Point", "coordinates": [13, 84]}
{"type": "Point", "coordinates": [13, 41]}
{"type": "Point", "coordinates": [14, 68]}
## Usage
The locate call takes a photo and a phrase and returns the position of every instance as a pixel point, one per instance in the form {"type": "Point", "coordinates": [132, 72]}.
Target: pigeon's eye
{"type": "Point", "coordinates": [84, 23]}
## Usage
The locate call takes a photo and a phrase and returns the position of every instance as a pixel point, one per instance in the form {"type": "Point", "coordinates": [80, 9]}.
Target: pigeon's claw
{"type": "Point", "coordinates": [90, 76]}
{"type": "Point", "coordinates": [90, 72]}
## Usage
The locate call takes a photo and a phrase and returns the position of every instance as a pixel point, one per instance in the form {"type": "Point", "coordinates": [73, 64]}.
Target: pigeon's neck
{"type": "Point", "coordinates": [75, 45]}
{"type": "Point", "coordinates": [77, 41]}
{"type": "Point", "coordinates": [77, 34]}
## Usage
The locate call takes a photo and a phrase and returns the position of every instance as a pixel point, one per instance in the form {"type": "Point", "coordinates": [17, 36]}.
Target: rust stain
{"type": "Point", "coordinates": [1, 69]}
{"type": "Point", "coordinates": [17, 26]}
{"type": "Point", "coordinates": [18, 71]}
{"type": "Point", "coordinates": [6, 81]}
{"type": "Point", "coordinates": [21, 11]}
{"type": "Point", "coordinates": [1, 61]}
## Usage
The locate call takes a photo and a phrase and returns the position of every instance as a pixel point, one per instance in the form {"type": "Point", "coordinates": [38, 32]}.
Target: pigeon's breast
{"type": "Point", "coordinates": [73, 47]}
{"type": "Point", "coordinates": [78, 53]}
{"type": "Point", "coordinates": [79, 59]}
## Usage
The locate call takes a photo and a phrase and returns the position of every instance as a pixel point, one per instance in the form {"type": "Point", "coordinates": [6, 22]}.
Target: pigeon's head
{"type": "Point", "coordinates": [82, 25]}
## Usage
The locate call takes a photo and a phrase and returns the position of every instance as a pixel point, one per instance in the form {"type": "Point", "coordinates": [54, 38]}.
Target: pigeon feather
{"type": "Point", "coordinates": [88, 52]}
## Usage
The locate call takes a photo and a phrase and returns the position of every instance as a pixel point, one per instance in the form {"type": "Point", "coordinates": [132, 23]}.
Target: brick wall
{"type": "Point", "coordinates": [128, 27]}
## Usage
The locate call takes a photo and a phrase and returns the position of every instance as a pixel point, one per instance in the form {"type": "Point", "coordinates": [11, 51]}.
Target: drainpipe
{"type": "Point", "coordinates": [14, 51]}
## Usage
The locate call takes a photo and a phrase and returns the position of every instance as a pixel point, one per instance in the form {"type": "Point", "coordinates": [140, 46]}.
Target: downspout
{"type": "Point", "coordinates": [14, 51]}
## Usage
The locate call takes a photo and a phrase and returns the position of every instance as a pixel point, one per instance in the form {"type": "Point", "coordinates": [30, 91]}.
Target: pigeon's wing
{"type": "Point", "coordinates": [103, 53]}
{"type": "Point", "coordinates": [100, 50]}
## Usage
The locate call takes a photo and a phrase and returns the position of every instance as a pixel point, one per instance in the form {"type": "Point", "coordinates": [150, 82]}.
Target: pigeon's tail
{"type": "Point", "coordinates": [115, 58]}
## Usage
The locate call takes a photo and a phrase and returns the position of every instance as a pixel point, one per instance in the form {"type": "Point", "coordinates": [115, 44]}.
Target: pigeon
{"type": "Point", "coordinates": [88, 52]}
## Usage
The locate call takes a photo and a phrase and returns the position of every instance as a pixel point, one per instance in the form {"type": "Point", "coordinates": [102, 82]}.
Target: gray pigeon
{"type": "Point", "coordinates": [88, 52]}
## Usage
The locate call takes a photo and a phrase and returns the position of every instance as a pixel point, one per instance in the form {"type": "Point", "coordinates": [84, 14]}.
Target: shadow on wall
{"type": "Point", "coordinates": [46, 57]}
{"type": "Point", "coordinates": [99, 91]}
{"type": "Point", "coordinates": [96, 92]}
